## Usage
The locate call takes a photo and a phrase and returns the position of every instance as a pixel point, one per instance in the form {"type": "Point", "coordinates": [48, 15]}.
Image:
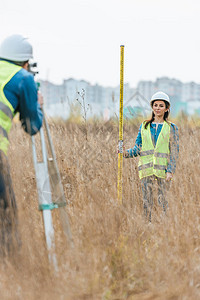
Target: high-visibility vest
{"type": "Point", "coordinates": [7, 71]}
{"type": "Point", "coordinates": [154, 160]}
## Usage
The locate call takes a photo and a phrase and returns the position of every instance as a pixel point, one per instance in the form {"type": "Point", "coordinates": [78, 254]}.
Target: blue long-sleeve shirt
{"type": "Point", "coordinates": [21, 92]}
{"type": "Point", "coordinates": [173, 145]}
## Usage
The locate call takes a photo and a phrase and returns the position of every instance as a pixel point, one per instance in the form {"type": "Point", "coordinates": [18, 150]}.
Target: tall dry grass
{"type": "Point", "coordinates": [117, 254]}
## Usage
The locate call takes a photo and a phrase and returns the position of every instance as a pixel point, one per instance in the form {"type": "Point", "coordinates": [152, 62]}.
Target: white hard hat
{"type": "Point", "coordinates": [160, 96]}
{"type": "Point", "coordinates": [16, 48]}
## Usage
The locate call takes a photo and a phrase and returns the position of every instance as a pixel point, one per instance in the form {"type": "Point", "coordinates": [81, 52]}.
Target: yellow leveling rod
{"type": "Point", "coordinates": [120, 154]}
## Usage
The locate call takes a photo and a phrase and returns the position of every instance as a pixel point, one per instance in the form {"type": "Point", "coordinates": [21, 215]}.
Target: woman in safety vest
{"type": "Point", "coordinates": [157, 145]}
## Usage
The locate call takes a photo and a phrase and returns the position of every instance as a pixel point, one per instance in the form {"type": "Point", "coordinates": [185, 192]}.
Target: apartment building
{"type": "Point", "coordinates": [105, 100]}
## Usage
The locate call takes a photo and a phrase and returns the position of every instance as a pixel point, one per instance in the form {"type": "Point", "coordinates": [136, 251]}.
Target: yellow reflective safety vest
{"type": "Point", "coordinates": [154, 160]}
{"type": "Point", "coordinates": [7, 71]}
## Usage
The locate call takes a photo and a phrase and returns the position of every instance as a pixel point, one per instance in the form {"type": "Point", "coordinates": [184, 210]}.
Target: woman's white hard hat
{"type": "Point", "coordinates": [160, 96]}
{"type": "Point", "coordinates": [16, 48]}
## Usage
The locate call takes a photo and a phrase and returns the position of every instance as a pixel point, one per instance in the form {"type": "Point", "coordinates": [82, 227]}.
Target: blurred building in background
{"type": "Point", "coordinates": [103, 102]}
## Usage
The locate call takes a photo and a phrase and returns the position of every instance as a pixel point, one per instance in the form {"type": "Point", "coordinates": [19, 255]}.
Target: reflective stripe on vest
{"type": "Point", "coordinates": [7, 71]}
{"type": "Point", "coordinates": [153, 160]}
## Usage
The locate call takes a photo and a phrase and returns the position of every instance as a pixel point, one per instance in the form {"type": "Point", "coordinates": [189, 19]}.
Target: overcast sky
{"type": "Point", "coordinates": [82, 38]}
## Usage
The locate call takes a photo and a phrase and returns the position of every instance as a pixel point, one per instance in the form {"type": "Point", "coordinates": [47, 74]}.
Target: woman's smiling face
{"type": "Point", "coordinates": [159, 108]}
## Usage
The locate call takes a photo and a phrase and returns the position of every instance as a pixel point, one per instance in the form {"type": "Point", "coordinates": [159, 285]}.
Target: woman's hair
{"type": "Point", "coordinates": [147, 122]}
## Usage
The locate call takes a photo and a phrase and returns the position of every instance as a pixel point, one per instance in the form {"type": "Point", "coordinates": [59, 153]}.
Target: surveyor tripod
{"type": "Point", "coordinates": [50, 189]}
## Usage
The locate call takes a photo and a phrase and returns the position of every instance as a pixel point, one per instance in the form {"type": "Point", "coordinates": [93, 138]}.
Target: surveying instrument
{"type": "Point", "coordinates": [120, 154]}
{"type": "Point", "coordinates": [49, 187]}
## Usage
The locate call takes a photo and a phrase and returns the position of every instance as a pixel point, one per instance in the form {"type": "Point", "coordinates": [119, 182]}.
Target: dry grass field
{"type": "Point", "coordinates": [117, 254]}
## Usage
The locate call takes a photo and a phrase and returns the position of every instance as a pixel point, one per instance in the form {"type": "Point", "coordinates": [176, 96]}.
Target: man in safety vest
{"type": "Point", "coordinates": [157, 145]}
{"type": "Point", "coordinates": [18, 93]}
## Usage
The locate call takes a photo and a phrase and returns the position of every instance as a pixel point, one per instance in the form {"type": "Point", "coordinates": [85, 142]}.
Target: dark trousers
{"type": "Point", "coordinates": [9, 238]}
{"type": "Point", "coordinates": [149, 186]}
